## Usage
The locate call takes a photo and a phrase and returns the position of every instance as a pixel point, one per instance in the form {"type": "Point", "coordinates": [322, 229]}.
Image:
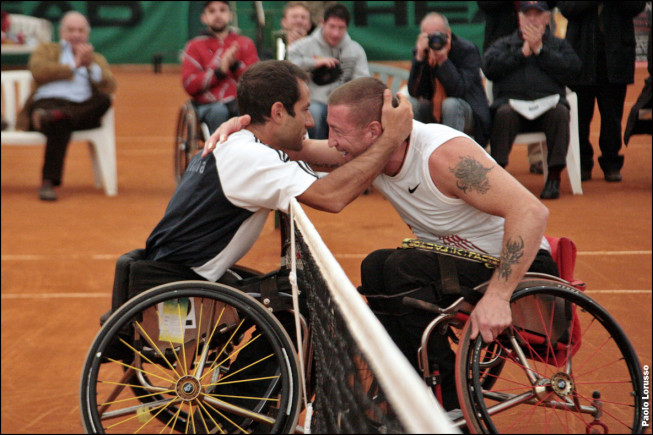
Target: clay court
{"type": "Point", "coordinates": [58, 258]}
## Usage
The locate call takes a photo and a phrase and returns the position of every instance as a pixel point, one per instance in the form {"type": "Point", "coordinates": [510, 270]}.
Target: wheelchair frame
{"type": "Point", "coordinates": [189, 138]}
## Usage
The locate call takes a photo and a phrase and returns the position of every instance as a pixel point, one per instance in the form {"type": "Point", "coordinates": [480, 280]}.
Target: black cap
{"type": "Point", "coordinates": [541, 6]}
{"type": "Point", "coordinates": [227, 3]}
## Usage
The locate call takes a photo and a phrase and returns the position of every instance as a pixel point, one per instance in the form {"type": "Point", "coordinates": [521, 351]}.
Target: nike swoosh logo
{"type": "Point", "coordinates": [413, 189]}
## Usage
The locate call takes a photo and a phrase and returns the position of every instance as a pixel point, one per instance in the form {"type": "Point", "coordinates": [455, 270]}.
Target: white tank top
{"type": "Point", "coordinates": [430, 214]}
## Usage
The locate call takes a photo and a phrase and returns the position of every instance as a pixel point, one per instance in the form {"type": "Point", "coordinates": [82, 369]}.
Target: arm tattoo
{"type": "Point", "coordinates": [471, 175]}
{"type": "Point", "coordinates": [512, 253]}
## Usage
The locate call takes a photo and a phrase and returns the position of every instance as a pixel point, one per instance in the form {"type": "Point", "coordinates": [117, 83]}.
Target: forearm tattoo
{"type": "Point", "coordinates": [471, 175]}
{"type": "Point", "coordinates": [511, 254]}
{"type": "Point", "coordinates": [322, 165]}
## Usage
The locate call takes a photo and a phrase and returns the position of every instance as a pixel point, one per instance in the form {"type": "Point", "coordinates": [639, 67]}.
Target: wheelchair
{"type": "Point", "coordinates": [179, 357]}
{"type": "Point", "coordinates": [537, 377]}
{"type": "Point", "coordinates": [189, 138]}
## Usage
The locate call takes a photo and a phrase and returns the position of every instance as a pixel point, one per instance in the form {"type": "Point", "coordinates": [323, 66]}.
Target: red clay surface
{"type": "Point", "coordinates": [58, 258]}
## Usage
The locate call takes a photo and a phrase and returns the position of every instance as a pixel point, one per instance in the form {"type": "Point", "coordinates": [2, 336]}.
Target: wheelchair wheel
{"type": "Point", "coordinates": [187, 139]}
{"type": "Point", "coordinates": [191, 357]}
{"type": "Point", "coordinates": [568, 367]}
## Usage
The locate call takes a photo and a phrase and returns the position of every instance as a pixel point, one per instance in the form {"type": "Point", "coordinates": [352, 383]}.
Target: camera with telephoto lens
{"type": "Point", "coordinates": [437, 40]}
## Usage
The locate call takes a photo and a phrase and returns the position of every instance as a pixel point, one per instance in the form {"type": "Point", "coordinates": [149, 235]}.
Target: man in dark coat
{"type": "Point", "coordinates": [530, 65]}
{"type": "Point", "coordinates": [446, 81]}
{"type": "Point", "coordinates": [603, 35]}
{"type": "Point", "coordinates": [635, 124]}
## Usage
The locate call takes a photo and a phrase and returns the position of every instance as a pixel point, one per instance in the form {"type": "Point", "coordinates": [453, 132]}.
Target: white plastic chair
{"type": "Point", "coordinates": [16, 87]}
{"type": "Point", "coordinates": [34, 31]}
{"type": "Point", "coordinates": [573, 152]}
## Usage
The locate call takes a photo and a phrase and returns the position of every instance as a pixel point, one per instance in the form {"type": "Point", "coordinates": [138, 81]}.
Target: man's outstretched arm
{"type": "Point", "coordinates": [461, 169]}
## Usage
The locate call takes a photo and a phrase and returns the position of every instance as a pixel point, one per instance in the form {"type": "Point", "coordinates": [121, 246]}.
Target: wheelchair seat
{"type": "Point", "coordinates": [134, 274]}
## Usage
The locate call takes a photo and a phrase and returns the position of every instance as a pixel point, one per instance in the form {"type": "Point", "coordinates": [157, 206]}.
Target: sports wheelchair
{"type": "Point", "coordinates": [176, 358]}
{"type": "Point", "coordinates": [189, 138]}
{"type": "Point", "coordinates": [537, 377]}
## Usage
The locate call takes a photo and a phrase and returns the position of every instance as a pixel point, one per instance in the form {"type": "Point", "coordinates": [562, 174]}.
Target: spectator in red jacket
{"type": "Point", "coordinates": [213, 63]}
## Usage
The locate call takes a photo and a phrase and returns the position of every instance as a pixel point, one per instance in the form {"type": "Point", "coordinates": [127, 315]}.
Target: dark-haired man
{"type": "Point", "coordinates": [223, 199]}
{"type": "Point", "coordinates": [332, 58]}
{"type": "Point", "coordinates": [212, 64]}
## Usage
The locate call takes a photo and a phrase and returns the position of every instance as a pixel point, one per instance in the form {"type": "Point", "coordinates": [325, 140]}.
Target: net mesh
{"type": "Point", "coordinates": [360, 382]}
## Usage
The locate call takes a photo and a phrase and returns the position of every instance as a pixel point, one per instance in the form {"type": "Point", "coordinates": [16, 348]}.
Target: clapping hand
{"type": "Point", "coordinates": [83, 53]}
{"type": "Point", "coordinates": [228, 58]}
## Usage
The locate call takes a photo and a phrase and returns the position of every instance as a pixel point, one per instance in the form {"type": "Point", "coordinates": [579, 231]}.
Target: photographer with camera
{"type": "Point", "coordinates": [332, 58]}
{"type": "Point", "coordinates": [445, 80]}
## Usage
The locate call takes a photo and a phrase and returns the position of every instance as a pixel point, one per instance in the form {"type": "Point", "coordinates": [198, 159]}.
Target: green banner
{"type": "Point", "coordinates": [122, 31]}
{"type": "Point", "coordinates": [135, 31]}
{"type": "Point", "coordinates": [387, 30]}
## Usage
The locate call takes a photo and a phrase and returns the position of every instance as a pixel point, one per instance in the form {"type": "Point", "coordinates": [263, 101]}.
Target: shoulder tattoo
{"type": "Point", "coordinates": [471, 175]}
{"type": "Point", "coordinates": [512, 253]}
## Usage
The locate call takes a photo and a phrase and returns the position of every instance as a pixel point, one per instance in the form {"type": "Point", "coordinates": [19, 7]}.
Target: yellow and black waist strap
{"type": "Point", "coordinates": [489, 261]}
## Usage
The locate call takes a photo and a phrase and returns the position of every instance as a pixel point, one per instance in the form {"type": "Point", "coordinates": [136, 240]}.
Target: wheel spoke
{"type": "Point", "coordinates": [253, 375]}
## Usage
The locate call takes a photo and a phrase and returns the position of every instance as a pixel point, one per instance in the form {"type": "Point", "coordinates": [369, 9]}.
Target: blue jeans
{"type": "Point", "coordinates": [319, 114]}
{"type": "Point", "coordinates": [456, 113]}
{"type": "Point", "coordinates": [214, 114]}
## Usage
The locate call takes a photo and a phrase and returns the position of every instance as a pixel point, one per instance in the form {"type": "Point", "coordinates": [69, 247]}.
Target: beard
{"type": "Point", "coordinates": [218, 28]}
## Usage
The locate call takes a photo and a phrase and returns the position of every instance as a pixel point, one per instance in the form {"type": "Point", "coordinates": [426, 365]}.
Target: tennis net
{"type": "Point", "coordinates": [361, 383]}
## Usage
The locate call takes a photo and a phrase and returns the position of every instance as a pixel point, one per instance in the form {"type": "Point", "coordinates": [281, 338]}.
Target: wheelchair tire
{"type": "Point", "coordinates": [136, 380]}
{"type": "Point", "coordinates": [591, 382]}
{"type": "Point", "coordinates": [187, 139]}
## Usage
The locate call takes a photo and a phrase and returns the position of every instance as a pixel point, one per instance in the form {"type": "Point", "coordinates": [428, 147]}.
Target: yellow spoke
{"type": "Point", "coordinates": [173, 419]}
{"type": "Point", "coordinates": [208, 342]}
{"type": "Point", "coordinates": [153, 417]}
{"type": "Point", "coordinates": [231, 355]}
{"type": "Point", "coordinates": [247, 366]}
{"type": "Point", "coordinates": [170, 341]}
{"type": "Point", "coordinates": [212, 367]}
{"type": "Point", "coordinates": [199, 402]}
{"type": "Point", "coordinates": [147, 359]}
{"type": "Point", "coordinates": [190, 416]}
{"type": "Point", "coordinates": [137, 397]}
{"type": "Point", "coordinates": [199, 412]}
{"type": "Point", "coordinates": [149, 340]}
{"type": "Point", "coordinates": [247, 411]}
{"type": "Point", "coordinates": [237, 351]}
{"type": "Point", "coordinates": [140, 370]}
{"type": "Point", "coordinates": [242, 380]}
{"type": "Point", "coordinates": [121, 384]}
{"type": "Point", "coordinates": [136, 415]}
{"type": "Point", "coordinates": [267, 399]}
